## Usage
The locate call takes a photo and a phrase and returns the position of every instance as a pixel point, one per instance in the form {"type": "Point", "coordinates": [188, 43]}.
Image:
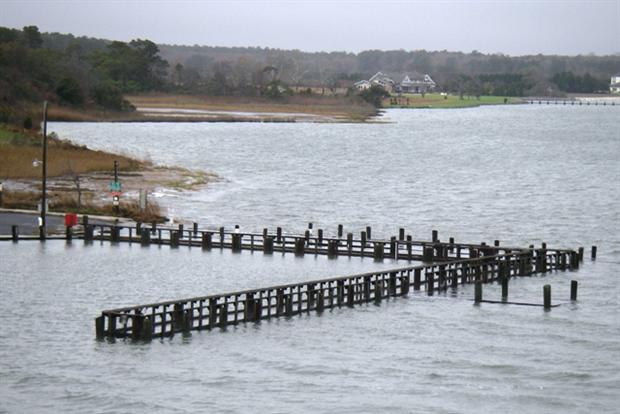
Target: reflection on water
{"type": "Point", "coordinates": [519, 174]}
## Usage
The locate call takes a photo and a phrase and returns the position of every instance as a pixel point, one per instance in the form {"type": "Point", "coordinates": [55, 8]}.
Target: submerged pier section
{"type": "Point", "coordinates": [450, 265]}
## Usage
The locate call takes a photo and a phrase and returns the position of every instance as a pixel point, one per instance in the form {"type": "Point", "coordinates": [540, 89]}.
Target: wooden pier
{"type": "Point", "coordinates": [218, 311]}
{"type": "Point", "coordinates": [445, 265]}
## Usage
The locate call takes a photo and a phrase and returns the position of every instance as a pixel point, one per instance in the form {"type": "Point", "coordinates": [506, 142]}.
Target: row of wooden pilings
{"type": "Point", "coordinates": [209, 312]}
{"type": "Point", "coordinates": [569, 102]}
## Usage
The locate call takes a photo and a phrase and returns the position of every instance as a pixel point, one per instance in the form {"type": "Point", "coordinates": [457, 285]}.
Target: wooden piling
{"type": "Point", "coordinates": [378, 290]}
{"type": "Point", "coordinates": [478, 292]}
{"type": "Point", "coordinates": [368, 232]}
{"type": "Point", "coordinates": [547, 296]}
{"type": "Point", "coordinates": [181, 231]}
{"type": "Point", "coordinates": [379, 251]}
{"type": "Point", "coordinates": [332, 248]}
{"type": "Point", "coordinates": [300, 246]}
{"type": "Point", "coordinates": [573, 290]}
{"type": "Point", "coordinates": [340, 230]}
{"type": "Point", "coordinates": [268, 245]}
{"type": "Point", "coordinates": [349, 243]}
{"type": "Point", "coordinates": [236, 242]}
{"type": "Point", "coordinates": [174, 238]}
{"type": "Point", "coordinates": [147, 329]}
{"type": "Point", "coordinates": [145, 237]}
{"type": "Point", "coordinates": [417, 274]}
{"type": "Point", "coordinates": [88, 233]}
{"type": "Point", "coordinates": [207, 241]}
{"type": "Point", "coordinates": [222, 237]}
{"type": "Point", "coordinates": [401, 234]}
{"type": "Point", "coordinates": [580, 252]}
{"type": "Point", "coordinates": [15, 233]}
{"type": "Point", "coordinates": [504, 287]}
{"type": "Point", "coordinates": [279, 235]}
{"type": "Point", "coordinates": [320, 237]}
{"type": "Point", "coordinates": [435, 236]}
{"type": "Point", "coordinates": [115, 234]}
{"type": "Point", "coordinates": [593, 255]}
{"type": "Point", "coordinates": [393, 248]}
{"type": "Point", "coordinates": [195, 228]}
{"type": "Point", "coordinates": [68, 234]}
{"type": "Point", "coordinates": [100, 327]}
{"type": "Point", "coordinates": [428, 254]}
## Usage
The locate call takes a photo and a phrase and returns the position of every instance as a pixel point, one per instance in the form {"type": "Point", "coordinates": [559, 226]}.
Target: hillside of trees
{"type": "Point", "coordinates": [95, 73]}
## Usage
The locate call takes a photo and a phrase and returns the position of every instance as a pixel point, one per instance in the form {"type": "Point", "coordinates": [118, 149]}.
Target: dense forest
{"type": "Point", "coordinates": [87, 72]}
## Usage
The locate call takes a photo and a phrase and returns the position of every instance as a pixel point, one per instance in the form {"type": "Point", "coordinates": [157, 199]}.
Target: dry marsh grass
{"type": "Point", "coordinates": [317, 105]}
{"type": "Point", "coordinates": [62, 158]}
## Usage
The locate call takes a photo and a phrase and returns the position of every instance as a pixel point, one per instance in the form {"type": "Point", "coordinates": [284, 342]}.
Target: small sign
{"type": "Point", "coordinates": [115, 186]}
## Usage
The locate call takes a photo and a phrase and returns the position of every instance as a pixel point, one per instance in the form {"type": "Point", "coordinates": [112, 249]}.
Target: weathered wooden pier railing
{"type": "Point", "coordinates": [218, 311]}
{"type": "Point", "coordinates": [401, 247]}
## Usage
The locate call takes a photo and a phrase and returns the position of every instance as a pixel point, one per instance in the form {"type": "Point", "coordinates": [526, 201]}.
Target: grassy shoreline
{"type": "Point", "coordinates": [77, 172]}
{"type": "Point", "coordinates": [436, 100]}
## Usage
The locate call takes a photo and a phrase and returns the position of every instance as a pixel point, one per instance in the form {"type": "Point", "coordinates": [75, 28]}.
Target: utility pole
{"type": "Point", "coordinates": [42, 229]}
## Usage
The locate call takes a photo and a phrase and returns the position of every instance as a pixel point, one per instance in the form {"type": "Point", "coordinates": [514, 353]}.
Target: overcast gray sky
{"type": "Point", "coordinates": [511, 27]}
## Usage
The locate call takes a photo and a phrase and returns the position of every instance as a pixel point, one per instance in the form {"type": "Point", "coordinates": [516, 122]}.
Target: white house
{"type": "Point", "coordinates": [381, 79]}
{"type": "Point", "coordinates": [362, 85]}
{"type": "Point", "coordinates": [417, 83]}
{"type": "Point", "coordinates": [614, 85]}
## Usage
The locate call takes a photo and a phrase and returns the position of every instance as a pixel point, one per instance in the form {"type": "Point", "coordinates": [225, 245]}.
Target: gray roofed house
{"type": "Point", "coordinates": [417, 83]}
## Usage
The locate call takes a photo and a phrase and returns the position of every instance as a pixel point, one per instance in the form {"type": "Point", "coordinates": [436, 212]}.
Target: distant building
{"type": "Point", "coordinates": [412, 83]}
{"type": "Point", "coordinates": [614, 85]}
{"type": "Point", "coordinates": [417, 83]}
{"type": "Point", "coordinates": [381, 79]}
{"type": "Point", "coordinates": [362, 85]}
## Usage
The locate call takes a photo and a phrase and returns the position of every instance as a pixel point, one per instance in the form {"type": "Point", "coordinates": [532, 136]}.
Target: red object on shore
{"type": "Point", "coordinates": [71, 219]}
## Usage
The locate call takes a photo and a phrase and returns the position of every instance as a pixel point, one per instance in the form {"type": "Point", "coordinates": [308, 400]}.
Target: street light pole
{"type": "Point", "coordinates": [42, 229]}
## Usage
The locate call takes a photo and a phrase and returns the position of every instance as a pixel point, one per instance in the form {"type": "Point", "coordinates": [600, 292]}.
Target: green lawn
{"type": "Point", "coordinates": [435, 100]}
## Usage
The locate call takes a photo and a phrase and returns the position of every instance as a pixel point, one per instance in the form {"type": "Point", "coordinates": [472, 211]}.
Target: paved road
{"type": "Point", "coordinates": [28, 223]}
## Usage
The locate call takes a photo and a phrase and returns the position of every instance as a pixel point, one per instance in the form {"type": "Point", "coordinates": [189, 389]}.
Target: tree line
{"type": "Point", "coordinates": [83, 71]}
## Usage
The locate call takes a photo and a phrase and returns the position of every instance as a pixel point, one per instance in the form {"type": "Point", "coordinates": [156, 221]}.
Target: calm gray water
{"type": "Point", "coordinates": [521, 174]}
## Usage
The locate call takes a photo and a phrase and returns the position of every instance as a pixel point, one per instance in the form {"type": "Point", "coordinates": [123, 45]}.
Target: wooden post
{"type": "Point", "coordinates": [180, 231]}
{"type": "Point", "coordinates": [137, 325]}
{"type": "Point", "coordinates": [300, 246]}
{"type": "Point", "coordinates": [195, 225]}
{"type": "Point", "coordinates": [478, 292]}
{"type": "Point", "coordinates": [593, 252]}
{"type": "Point", "coordinates": [223, 315]}
{"type": "Point", "coordinates": [409, 246]}
{"type": "Point", "coordinates": [393, 245]}
{"type": "Point", "coordinates": [379, 251]}
{"type": "Point", "coordinates": [332, 248]}
{"type": "Point", "coordinates": [206, 240]}
{"type": "Point", "coordinates": [363, 239]}
{"type": "Point", "coordinates": [138, 228]}
{"type": "Point", "coordinates": [88, 233]}
{"type": "Point", "coordinates": [351, 294]}
{"type": "Point", "coordinates": [401, 234]}
{"type": "Point", "coordinates": [174, 238]}
{"type": "Point", "coordinates": [350, 243]}
{"type": "Point", "coordinates": [115, 234]}
{"type": "Point", "coordinates": [154, 227]}
{"type": "Point", "coordinates": [428, 254]}
{"type": "Point", "coordinates": [15, 233]}
{"type": "Point", "coordinates": [307, 237]}
{"type": "Point", "coordinates": [268, 245]}
{"type": "Point", "coordinates": [435, 236]}
{"type": "Point", "coordinates": [496, 243]}
{"type": "Point", "coordinates": [320, 236]}
{"type": "Point", "coordinates": [504, 287]}
{"type": "Point", "coordinates": [340, 229]}
{"type": "Point", "coordinates": [573, 290]}
{"type": "Point", "coordinates": [69, 234]}
{"type": "Point", "coordinates": [430, 281]}
{"type": "Point", "coordinates": [100, 327]}
{"type": "Point", "coordinates": [368, 232]}
{"type": "Point", "coordinates": [581, 254]}
{"type": "Point", "coordinates": [236, 242]}
{"type": "Point", "coordinates": [320, 300]}
{"type": "Point", "coordinates": [147, 329]}
{"type": "Point", "coordinates": [84, 220]}
{"type": "Point", "coordinates": [417, 273]}
{"type": "Point", "coordinates": [378, 290]}
{"type": "Point", "coordinates": [547, 296]}
{"type": "Point", "coordinates": [392, 284]}
{"type": "Point", "coordinates": [145, 237]}
{"type": "Point", "coordinates": [279, 235]}
{"type": "Point", "coordinates": [222, 237]}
